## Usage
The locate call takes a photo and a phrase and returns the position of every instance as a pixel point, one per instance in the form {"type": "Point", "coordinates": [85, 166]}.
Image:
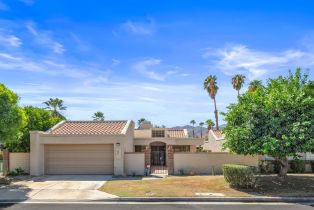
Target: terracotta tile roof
{"type": "Point", "coordinates": [176, 133]}
{"type": "Point", "coordinates": [218, 134]}
{"type": "Point", "coordinates": [89, 128]}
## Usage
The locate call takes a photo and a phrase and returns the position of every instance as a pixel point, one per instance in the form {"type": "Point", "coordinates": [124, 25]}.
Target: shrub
{"type": "Point", "coordinates": [181, 172]}
{"type": "Point", "coordinates": [266, 166]}
{"type": "Point", "coordinates": [240, 176]}
{"type": "Point", "coordinates": [312, 166]}
{"type": "Point", "coordinates": [17, 172]}
{"type": "Point", "coordinates": [297, 166]}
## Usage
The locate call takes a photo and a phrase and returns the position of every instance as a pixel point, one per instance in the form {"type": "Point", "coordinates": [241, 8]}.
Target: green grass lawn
{"type": "Point", "coordinates": [184, 186]}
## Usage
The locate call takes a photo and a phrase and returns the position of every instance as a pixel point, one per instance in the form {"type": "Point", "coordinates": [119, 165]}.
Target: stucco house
{"type": "Point", "coordinates": [214, 141]}
{"type": "Point", "coordinates": [108, 147]}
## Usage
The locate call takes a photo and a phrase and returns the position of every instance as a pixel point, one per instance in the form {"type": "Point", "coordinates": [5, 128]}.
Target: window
{"type": "Point", "coordinates": [140, 148]}
{"type": "Point", "coordinates": [181, 148]}
{"type": "Point", "coordinates": [158, 133]}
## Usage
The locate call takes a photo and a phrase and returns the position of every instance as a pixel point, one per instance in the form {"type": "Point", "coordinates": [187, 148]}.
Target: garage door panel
{"type": "Point", "coordinates": [79, 159]}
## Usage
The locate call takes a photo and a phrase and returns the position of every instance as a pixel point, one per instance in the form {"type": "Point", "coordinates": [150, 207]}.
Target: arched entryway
{"type": "Point", "coordinates": [158, 154]}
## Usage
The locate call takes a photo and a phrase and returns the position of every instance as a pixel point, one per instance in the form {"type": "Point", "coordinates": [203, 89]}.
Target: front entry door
{"type": "Point", "coordinates": [158, 155]}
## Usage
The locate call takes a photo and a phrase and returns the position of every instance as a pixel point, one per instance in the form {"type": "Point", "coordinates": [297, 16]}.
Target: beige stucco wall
{"type": "Point", "coordinates": [142, 133]}
{"type": "Point", "coordinates": [134, 163]}
{"type": "Point", "coordinates": [204, 163]}
{"type": "Point", "coordinates": [19, 160]}
{"type": "Point", "coordinates": [212, 144]}
{"type": "Point", "coordinates": [122, 143]}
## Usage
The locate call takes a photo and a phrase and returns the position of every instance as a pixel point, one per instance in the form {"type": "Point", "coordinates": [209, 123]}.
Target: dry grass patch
{"type": "Point", "coordinates": [188, 186]}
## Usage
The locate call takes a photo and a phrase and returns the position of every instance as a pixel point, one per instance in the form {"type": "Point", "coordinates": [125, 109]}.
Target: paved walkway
{"type": "Point", "coordinates": [59, 187]}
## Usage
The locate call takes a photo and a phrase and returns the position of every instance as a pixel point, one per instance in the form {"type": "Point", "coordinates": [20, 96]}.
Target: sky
{"type": "Point", "coordinates": [134, 59]}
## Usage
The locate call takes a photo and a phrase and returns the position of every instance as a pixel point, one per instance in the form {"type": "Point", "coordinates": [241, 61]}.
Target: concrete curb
{"type": "Point", "coordinates": [179, 199]}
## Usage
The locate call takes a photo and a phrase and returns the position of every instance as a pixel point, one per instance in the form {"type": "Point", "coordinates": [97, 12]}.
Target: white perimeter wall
{"type": "Point", "coordinates": [134, 163]}
{"type": "Point", "coordinates": [204, 163]}
{"type": "Point", "coordinates": [19, 160]}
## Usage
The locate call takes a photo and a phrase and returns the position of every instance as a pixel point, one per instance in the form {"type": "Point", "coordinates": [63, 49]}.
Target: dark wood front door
{"type": "Point", "coordinates": [158, 155]}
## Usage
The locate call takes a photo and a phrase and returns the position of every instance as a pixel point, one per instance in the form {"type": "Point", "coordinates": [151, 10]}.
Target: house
{"type": "Point", "coordinates": [108, 147]}
{"type": "Point", "coordinates": [214, 141]}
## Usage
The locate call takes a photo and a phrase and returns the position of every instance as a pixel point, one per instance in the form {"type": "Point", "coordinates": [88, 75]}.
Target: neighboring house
{"type": "Point", "coordinates": [91, 147]}
{"type": "Point", "coordinates": [214, 142]}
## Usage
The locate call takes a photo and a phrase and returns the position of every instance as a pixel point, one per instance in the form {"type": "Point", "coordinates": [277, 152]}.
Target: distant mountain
{"type": "Point", "coordinates": [197, 130]}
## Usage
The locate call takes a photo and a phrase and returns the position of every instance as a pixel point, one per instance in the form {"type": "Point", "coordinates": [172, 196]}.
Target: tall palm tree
{"type": "Point", "coordinates": [210, 84]}
{"type": "Point", "coordinates": [254, 85]}
{"type": "Point", "coordinates": [99, 116]}
{"type": "Point", "coordinates": [210, 124]}
{"type": "Point", "coordinates": [193, 123]}
{"type": "Point", "coordinates": [201, 124]}
{"type": "Point", "coordinates": [140, 121]}
{"type": "Point", "coordinates": [55, 105]}
{"type": "Point", "coordinates": [237, 82]}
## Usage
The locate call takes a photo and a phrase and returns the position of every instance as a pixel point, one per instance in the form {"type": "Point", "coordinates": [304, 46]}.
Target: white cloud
{"type": "Point", "coordinates": [45, 39]}
{"type": "Point", "coordinates": [140, 28]}
{"type": "Point", "coordinates": [234, 59]}
{"type": "Point", "coordinates": [115, 62]}
{"type": "Point", "coordinates": [9, 40]}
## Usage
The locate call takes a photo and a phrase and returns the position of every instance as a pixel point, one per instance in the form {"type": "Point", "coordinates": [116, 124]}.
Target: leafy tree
{"type": "Point", "coordinates": [237, 82]}
{"type": "Point", "coordinates": [210, 85]}
{"type": "Point", "coordinates": [254, 85]}
{"type": "Point", "coordinates": [99, 116]}
{"type": "Point", "coordinates": [140, 121]}
{"type": "Point", "coordinates": [193, 123]}
{"type": "Point", "coordinates": [37, 119]}
{"type": "Point", "coordinates": [12, 117]}
{"type": "Point", "coordinates": [210, 124]}
{"type": "Point", "coordinates": [201, 124]}
{"type": "Point", "coordinates": [275, 120]}
{"type": "Point", "coordinates": [55, 106]}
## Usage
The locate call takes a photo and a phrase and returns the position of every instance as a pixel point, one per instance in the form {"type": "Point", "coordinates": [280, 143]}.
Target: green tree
{"type": "Point", "coordinates": [192, 122]}
{"type": "Point", "coordinates": [210, 124]}
{"type": "Point", "coordinates": [237, 82]}
{"type": "Point", "coordinates": [275, 120]}
{"type": "Point", "coordinates": [37, 119]}
{"type": "Point", "coordinates": [210, 85]}
{"type": "Point", "coordinates": [140, 121]}
{"type": "Point", "coordinates": [12, 117]}
{"type": "Point", "coordinates": [254, 85]}
{"type": "Point", "coordinates": [99, 116]}
{"type": "Point", "coordinates": [201, 124]}
{"type": "Point", "coordinates": [55, 105]}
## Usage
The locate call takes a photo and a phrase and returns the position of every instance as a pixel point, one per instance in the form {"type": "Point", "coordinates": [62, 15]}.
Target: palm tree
{"type": "Point", "coordinates": [55, 105]}
{"type": "Point", "coordinates": [210, 124]}
{"type": "Point", "coordinates": [237, 82]}
{"type": "Point", "coordinates": [210, 84]}
{"type": "Point", "coordinates": [193, 123]}
{"type": "Point", "coordinates": [201, 124]}
{"type": "Point", "coordinates": [140, 121]}
{"type": "Point", "coordinates": [99, 116]}
{"type": "Point", "coordinates": [254, 85]}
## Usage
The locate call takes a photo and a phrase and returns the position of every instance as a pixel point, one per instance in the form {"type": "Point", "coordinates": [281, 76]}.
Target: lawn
{"type": "Point", "coordinates": [185, 186]}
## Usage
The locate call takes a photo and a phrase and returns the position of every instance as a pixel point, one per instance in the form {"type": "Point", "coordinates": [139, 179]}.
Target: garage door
{"type": "Point", "coordinates": [79, 159]}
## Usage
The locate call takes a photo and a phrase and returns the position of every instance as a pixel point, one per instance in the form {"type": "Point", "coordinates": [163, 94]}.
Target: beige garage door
{"type": "Point", "coordinates": [79, 159]}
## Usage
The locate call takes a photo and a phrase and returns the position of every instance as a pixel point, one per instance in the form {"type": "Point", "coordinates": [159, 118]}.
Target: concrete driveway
{"type": "Point", "coordinates": [58, 187]}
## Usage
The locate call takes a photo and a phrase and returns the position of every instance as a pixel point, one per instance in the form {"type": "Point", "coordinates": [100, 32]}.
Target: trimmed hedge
{"type": "Point", "coordinates": [240, 176]}
{"type": "Point", "coordinates": [297, 166]}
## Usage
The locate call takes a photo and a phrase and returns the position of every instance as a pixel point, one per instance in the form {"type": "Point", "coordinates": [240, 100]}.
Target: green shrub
{"type": "Point", "coordinates": [266, 166]}
{"type": "Point", "coordinates": [240, 176]}
{"type": "Point", "coordinates": [17, 172]}
{"type": "Point", "coordinates": [312, 166]}
{"type": "Point", "coordinates": [297, 166]}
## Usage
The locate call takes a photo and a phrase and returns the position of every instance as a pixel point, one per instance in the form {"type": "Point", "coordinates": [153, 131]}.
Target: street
{"type": "Point", "coordinates": [152, 206]}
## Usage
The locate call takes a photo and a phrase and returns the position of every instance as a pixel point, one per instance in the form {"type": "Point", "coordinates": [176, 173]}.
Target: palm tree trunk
{"type": "Point", "coordinates": [238, 93]}
{"type": "Point", "coordinates": [201, 132]}
{"type": "Point", "coordinates": [193, 131]}
{"type": "Point", "coordinates": [216, 114]}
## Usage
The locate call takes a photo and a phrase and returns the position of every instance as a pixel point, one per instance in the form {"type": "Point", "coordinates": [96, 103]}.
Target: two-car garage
{"type": "Point", "coordinates": [79, 159]}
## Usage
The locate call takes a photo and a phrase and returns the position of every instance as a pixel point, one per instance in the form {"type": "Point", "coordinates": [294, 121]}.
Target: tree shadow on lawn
{"type": "Point", "coordinates": [295, 185]}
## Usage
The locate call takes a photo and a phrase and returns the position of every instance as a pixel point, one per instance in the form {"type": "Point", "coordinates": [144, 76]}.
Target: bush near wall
{"type": "Point", "coordinates": [240, 176]}
{"type": "Point", "coordinates": [297, 166]}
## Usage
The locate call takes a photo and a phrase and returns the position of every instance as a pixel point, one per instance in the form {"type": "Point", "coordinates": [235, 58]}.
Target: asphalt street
{"type": "Point", "coordinates": [154, 206]}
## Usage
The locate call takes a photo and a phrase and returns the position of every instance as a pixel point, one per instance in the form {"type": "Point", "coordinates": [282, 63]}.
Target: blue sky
{"type": "Point", "coordinates": [132, 59]}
